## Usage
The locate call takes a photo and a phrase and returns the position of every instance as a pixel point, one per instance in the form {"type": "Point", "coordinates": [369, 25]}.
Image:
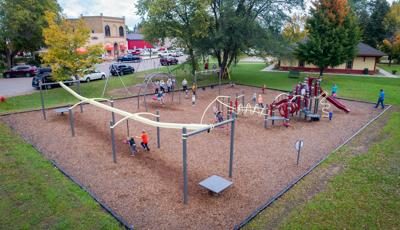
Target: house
{"type": "Point", "coordinates": [110, 32]}
{"type": "Point", "coordinates": [365, 62]}
{"type": "Point", "coordinates": [136, 41]}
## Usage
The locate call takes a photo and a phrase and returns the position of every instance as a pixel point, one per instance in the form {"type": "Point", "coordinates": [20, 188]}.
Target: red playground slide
{"type": "Point", "coordinates": [338, 104]}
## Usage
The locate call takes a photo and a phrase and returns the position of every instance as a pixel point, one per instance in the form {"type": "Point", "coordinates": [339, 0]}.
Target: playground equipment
{"type": "Point", "coordinates": [304, 99]}
{"type": "Point", "coordinates": [150, 80]}
{"type": "Point", "coordinates": [195, 129]}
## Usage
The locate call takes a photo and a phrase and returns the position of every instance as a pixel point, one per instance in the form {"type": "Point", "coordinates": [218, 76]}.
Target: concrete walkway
{"type": "Point", "coordinates": [386, 73]}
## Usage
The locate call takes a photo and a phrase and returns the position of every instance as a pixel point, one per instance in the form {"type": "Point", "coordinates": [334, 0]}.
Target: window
{"type": "Point", "coordinates": [349, 65]}
{"type": "Point", "coordinates": [301, 63]}
{"type": "Point", "coordinates": [107, 31]}
{"type": "Point", "coordinates": [121, 31]}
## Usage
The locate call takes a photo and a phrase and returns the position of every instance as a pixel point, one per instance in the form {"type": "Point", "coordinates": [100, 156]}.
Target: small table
{"type": "Point", "coordinates": [216, 184]}
{"type": "Point", "coordinates": [62, 110]}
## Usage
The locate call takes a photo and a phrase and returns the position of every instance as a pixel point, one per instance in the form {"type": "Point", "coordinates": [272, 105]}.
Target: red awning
{"type": "Point", "coordinates": [81, 50]}
{"type": "Point", "coordinates": [109, 47]}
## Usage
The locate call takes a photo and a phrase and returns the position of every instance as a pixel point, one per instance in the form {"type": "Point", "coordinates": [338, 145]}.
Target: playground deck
{"type": "Point", "coordinates": [146, 190]}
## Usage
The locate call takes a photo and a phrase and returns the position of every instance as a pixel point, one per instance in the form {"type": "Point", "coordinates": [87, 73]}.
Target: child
{"type": "Point", "coordinates": [160, 97]}
{"type": "Point", "coordinates": [132, 145]}
{"type": "Point", "coordinates": [193, 99]}
{"type": "Point", "coordinates": [194, 88]}
{"type": "Point", "coordinates": [169, 85]}
{"type": "Point", "coordinates": [219, 117]}
{"type": "Point", "coordinates": [145, 141]}
{"type": "Point", "coordinates": [254, 99]}
{"type": "Point", "coordinates": [260, 101]}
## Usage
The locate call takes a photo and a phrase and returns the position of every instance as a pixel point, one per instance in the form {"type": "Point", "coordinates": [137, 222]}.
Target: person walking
{"type": "Point", "coordinates": [260, 101]}
{"type": "Point", "coordinates": [381, 99]}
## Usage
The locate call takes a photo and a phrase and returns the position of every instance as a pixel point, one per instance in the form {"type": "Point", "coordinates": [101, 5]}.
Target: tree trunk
{"type": "Point", "coordinates": [390, 60]}
{"type": "Point", "coordinates": [10, 58]}
{"type": "Point", "coordinates": [192, 60]}
{"type": "Point", "coordinates": [321, 72]}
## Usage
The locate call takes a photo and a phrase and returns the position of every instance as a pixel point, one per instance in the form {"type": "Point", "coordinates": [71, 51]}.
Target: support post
{"type": "Point", "coordinates": [71, 121]}
{"type": "Point", "coordinates": [298, 156]}
{"type": "Point", "coordinates": [42, 100]}
{"type": "Point", "coordinates": [179, 96]}
{"type": "Point", "coordinates": [243, 98]}
{"type": "Point", "coordinates": [113, 142]}
{"type": "Point", "coordinates": [265, 121]}
{"type": "Point", "coordinates": [184, 162]}
{"type": "Point", "coordinates": [127, 127]}
{"type": "Point", "coordinates": [78, 86]}
{"type": "Point", "coordinates": [112, 113]}
{"type": "Point", "coordinates": [229, 109]}
{"type": "Point", "coordinates": [158, 129]}
{"type": "Point", "coordinates": [232, 144]}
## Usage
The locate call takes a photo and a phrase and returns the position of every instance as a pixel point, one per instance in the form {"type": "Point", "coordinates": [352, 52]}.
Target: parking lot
{"type": "Point", "coordinates": [19, 86]}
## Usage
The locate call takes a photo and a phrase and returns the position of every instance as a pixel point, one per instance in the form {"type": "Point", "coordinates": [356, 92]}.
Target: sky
{"type": "Point", "coordinates": [119, 8]}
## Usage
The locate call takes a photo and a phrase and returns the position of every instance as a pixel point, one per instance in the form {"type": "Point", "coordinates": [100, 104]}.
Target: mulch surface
{"type": "Point", "coordinates": [146, 190]}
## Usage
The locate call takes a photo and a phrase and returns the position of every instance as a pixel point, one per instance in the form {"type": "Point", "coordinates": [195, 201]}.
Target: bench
{"type": "Point", "coordinates": [61, 110]}
{"type": "Point", "coordinates": [294, 74]}
{"type": "Point", "coordinates": [215, 184]}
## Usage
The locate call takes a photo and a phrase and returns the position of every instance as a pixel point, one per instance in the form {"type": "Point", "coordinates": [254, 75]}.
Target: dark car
{"type": "Point", "coordinates": [129, 57]}
{"type": "Point", "coordinates": [121, 69]}
{"type": "Point", "coordinates": [20, 71]}
{"type": "Point", "coordinates": [44, 75]}
{"type": "Point", "coordinates": [168, 60]}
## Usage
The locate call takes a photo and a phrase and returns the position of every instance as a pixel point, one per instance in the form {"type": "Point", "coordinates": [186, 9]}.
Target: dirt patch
{"type": "Point", "coordinates": [147, 189]}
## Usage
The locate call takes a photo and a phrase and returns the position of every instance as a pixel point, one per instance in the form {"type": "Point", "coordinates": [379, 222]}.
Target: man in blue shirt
{"type": "Point", "coordinates": [381, 99]}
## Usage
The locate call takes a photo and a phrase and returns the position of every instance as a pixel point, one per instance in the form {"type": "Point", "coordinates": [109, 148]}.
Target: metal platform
{"type": "Point", "coordinates": [277, 118]}
{"type": "Point", "coordinates": [216, 184]}
{"type": "Point", "coordinates": [62, 110]}
{"type": "Point", "coordinates": [314, 117]}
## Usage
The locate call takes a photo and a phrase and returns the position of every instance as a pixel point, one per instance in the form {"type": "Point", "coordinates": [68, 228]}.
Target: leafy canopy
{"type": "Point", "coordinates": [64, 39]}
{"type": "Point", "coordinates": [333, 35]}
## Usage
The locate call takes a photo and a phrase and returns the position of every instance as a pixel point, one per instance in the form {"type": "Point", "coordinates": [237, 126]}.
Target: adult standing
{"type": "Point", "coordinates": [381, 98]}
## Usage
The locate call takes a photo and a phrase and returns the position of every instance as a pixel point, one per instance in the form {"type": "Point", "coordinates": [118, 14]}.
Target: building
{"type": "Point", "coordinates": [366, 60]}
{"type": "Point", "coordinates": [107, 31]}
{"type": "Point", "coordinates": [136, 41]}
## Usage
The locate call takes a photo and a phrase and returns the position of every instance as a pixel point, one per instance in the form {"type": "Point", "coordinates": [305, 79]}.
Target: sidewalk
{"type": "Point", "coordinates": [386, 73]}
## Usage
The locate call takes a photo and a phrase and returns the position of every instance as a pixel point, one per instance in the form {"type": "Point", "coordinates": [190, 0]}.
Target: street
{"type": "Point", "coordinates": [18, 86]}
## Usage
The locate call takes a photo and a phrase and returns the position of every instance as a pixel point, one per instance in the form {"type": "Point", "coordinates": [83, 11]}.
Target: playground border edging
{"type": "Point", "coordinates": [117, 217]}
{"type": "Point", "coordinates": [298, 179]}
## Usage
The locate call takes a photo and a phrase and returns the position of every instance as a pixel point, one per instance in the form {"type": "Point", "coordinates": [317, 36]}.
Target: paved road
{"type": "Point", "coordinates": [19, 86]}
{"type": "Point", "coordinates": [146, 64]}
{"type": "Point", "coordinates": [15, 86]}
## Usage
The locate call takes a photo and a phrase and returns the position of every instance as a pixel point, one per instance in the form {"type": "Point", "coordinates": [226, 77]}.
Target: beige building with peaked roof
{"type": "Point", "coordinates": [107, 31]}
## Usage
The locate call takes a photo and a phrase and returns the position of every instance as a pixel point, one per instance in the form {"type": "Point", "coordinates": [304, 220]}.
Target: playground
{"type": "Point", "coordinates": [146, 190]}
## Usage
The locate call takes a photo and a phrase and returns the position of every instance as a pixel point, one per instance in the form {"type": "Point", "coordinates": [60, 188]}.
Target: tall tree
{"type": "Point", "coordinates": [184, 20]}
{"type": "Point", "coordinates": [21, 24]}
{"type": "Point", "coordinates": [375, 31]}
{"type": "Point", "coordinates": [333, 35]}
{"type": "Point", "coordinates": [392, 47]}
{"type": "Point", "coordinates": [68, 53]}
{"type": "Point", "coordinates": [294, 30]}
{"type": "Point", "coordinates": [392, 19]}
{"type": "Point", "coordinates": [245, 24]}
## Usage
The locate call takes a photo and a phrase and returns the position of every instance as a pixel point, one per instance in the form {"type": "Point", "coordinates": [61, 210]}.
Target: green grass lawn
{"type": "Point", "coordinates": [354, 87]}
{"type": "Point", "coordinates": [35, 195]}
{"type": "Point", "coordinates": [390, 68]}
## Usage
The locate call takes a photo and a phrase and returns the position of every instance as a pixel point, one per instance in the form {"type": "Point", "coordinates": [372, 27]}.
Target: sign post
{"type": "Point", "coordinates": [299, 144]}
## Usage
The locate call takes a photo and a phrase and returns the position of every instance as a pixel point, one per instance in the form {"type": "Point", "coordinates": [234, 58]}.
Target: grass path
{"type": "Point", "coordinates": [35, 195]}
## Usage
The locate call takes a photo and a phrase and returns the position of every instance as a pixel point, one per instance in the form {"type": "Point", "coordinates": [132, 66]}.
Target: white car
{"type": "Point", "coordinates": [90, 75]}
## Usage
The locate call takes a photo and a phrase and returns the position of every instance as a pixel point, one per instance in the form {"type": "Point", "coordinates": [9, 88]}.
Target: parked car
{"type": "Point", "coordinates": [90, 75]}
{"type": "Point", "coordinates": [135, 52]}
{"type": "Point", "coordinates": [44, 75]}
{"type": "Point", "coordinates": [129, 57]}
{"type": "Point", "coordinates": [20, 71]}
{"type": "Point", "coordinates": [169, 60]}
{"type": "Point", "coordinates": [165, 54]}
{"type": "Point", "coordinates": [121, 69]}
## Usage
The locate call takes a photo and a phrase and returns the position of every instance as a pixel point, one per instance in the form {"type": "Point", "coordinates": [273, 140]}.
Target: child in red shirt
{"type": "Point", "coordinates": [145, 141]}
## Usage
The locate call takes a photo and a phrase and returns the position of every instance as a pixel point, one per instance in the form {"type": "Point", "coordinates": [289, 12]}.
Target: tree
{"type": "Point", "coordinates": [184, 20]}
{"type": "Point", "coordinates": [294, 30]}
{"type": "Point", "coordinates": [392, 47]}
{"type": "Point", "coordinates": [375, 31]}
{"type": "Point", "coordinates": [241, 25]}
{"type": "Point", "coordinates": [21, 24]}
{"type": "Point", "coordinates": [392, 19]}
{"type": "Point", "coordinates": [333, 35]}
{"type": "Point", "coordinates": [67, 53]}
